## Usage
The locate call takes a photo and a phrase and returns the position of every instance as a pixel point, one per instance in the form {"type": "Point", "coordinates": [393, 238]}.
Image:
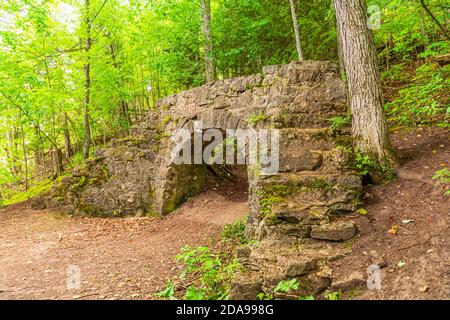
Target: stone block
{"type": "Point", "coordinates": [338, 231]}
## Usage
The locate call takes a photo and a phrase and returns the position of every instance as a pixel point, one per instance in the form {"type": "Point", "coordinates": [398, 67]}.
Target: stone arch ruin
{"type": "Point", "coordinates": [315, 181]}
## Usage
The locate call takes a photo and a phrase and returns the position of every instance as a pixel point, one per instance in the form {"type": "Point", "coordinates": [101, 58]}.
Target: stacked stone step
{"type": "Point", "coordinates": [267, 263]}
{"type": "Point", "coordinates": [315, 182]}
{"type": "Point", "coordinates": [298, 215]}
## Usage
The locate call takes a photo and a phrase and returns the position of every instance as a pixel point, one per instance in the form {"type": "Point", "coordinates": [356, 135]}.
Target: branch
{"type": "Point", "coordinates": [444, 31]}
{"type": "Point", "coordinates": [96, 15]}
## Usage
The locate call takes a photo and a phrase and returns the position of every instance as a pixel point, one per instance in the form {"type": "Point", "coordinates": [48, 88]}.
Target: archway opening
{"type": "Point", "coordinates": [218, 189]}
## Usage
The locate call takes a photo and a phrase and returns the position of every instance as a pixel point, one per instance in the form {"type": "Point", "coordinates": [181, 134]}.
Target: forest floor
{"type": "Point", "coordinates": [418, 255]}
{"type": "Point", "coordinates": [129, 258]}
{"type": "Point", "coordinates": [132, 258]}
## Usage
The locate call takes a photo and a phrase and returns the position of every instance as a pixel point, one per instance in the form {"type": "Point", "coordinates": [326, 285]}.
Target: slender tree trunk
{"type": "Point", "coordinates": [57, 159]}
{"type": "Point", "coordinates": [296, 30]}
{"type": "Point", "coordinates": [10, 156]}
{"type": "Point", "coordinates": [1, 197]}
{"type": "Point", "coordinates": [365, 95]}
{"type": "Point", "coordinates": [123, 111]}
{"type": "Point", "coordinates": [444, 31]}
{"type": "Point", "coordinates": [87, 84]}
{"type": "Point", "coordinates": [67, 141]}
{"type": "Point", "coordinates": [24, 151]}
{"type": "Point", "coordinates": [210, 71]}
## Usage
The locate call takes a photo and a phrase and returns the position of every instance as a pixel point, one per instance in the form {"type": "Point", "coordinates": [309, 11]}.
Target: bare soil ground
{"type": "Point", "coordinates": [127, 258]}
{"type": "Point", "coordinates": [131, 258]}
{"type": "Point", "coordinates": [418, 255]}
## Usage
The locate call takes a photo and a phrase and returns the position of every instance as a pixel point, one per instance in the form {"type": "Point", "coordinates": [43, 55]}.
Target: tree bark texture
{"type": "Point", "coordinates": [365, 95]}
{"type": "Point", "coordinates": [210, 72]}
{"type": "Point", "coordinates": [296, 30]}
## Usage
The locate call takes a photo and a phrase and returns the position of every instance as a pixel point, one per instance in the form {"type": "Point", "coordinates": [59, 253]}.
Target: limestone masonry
{"type": "Point", "coordinates": [288, 211]}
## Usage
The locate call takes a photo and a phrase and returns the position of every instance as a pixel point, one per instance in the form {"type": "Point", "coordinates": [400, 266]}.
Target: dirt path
{"type": "Point", "coordinates": [118, 258]}
{"type": "Point", "coordinates": [132, 258]}
{"type": "Point", "coordinates": [418, 255]}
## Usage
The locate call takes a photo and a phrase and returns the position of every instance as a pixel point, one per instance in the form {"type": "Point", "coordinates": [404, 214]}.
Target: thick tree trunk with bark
{"type": "Point", "coordinates": [365, 95]}
{"type": "Point", "coordinates": [339, 52]}
{"type": "Point", "coordinates": [296, 30]}
{"type": "Point", "coordinates": [210, 69]}
{"type": "Point", "coordinates": [87, 84]}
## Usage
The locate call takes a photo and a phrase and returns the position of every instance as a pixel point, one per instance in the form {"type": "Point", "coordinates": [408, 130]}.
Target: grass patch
{"type": "Point", "coordinates": [35, 190]}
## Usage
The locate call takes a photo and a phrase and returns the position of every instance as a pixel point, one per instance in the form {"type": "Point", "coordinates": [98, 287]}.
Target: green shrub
{"type": "Point", "coordinates": [332, 295]}
{"type": "Point", "coordinates": [235, 232]}
{"type": "Point", "coordinates": [287, 286]}
{"type": "Point", "coordinates": [213, 272]}
{"type": "Point", "coordinates": [443, 177]}
{"type": "Point", "coordinates": [265, 296]}
{"type": "Point", "coordinates": [168, 292]}
{"type": "Point", "coordinates": [257, 118]}
{"type": "Point", "coordinates": [424, 100]}
{"type": "Point", "coordinates": [339, 123]}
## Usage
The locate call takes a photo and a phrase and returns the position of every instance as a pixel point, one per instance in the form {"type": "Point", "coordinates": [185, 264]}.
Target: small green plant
{"type": "Point", "coordinates": [256, 118]}
{"type": "Point", "coordinates": [306, 298]}
{"type": "Point", "coordinates": [194, 293]}
{"type": "Point", "coordinates": [168, 292]}
{"type": "Point", "coordinates": [363, 163]}
{"type": "Point", "coordinates": [265, 296]}
{"type": "Point", "coordinates": [443, 177]}
{"type": "Point", "coordinates": [287, 286]}
{"type": "Point", "coordinates": [167, 119]}
{"type": "Point", "coordinates": [336, 295]}
{"type": "Point", "coordinates": [214, 272]}
{"type": "Point", "coordinates": [339, 123]}
{"type": "Point", "coordinates": [79, 185]}
{"type": "Point", "coordinates": [159, 136]}
{"type": "Point", "coordinates": [235, 232]}
{"type": "Point", "coordinates": [362, 211]}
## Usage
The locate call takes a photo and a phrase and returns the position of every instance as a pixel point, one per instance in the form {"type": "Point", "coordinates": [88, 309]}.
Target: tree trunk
{"type": "Point", "coordinates": [87, 84]}
{"type": "Point", "coordinates": [210, 72]}
{"type": "Point", "coordinates": [123, 111]}
{"type": "Point", "coordinates": [67, 142]}
{"type": "Point", "coordinates": [57, 159]}
{"type": "Point", "coordinates": [339, 52]}
{"type": "Point", "coordinates": [365, 95]}
{"type": "Point", "coordinates": [9, 150]}
{"type": "Point", "coordinates": [296, 30]}
{"type": "Point", "coordinates": [444, 31]}
{"type": "Point", "coordinates": [24, 151]}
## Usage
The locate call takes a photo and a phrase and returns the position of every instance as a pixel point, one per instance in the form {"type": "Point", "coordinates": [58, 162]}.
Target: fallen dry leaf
{"type": "Point", "coordinates": [393, 230]}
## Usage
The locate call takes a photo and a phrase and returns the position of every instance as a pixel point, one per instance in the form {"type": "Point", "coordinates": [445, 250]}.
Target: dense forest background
{"type": "Point", "coordinates": [139, 51]}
